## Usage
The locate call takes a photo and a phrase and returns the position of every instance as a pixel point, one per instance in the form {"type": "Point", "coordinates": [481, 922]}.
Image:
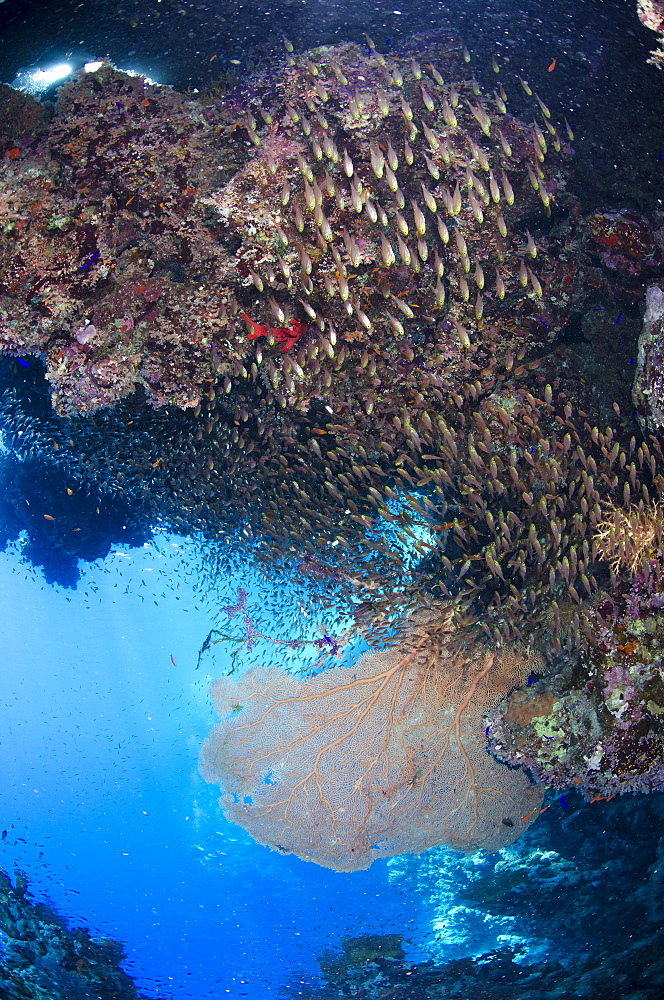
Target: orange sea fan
{"type": "Point", "coordinates": [378, 759]}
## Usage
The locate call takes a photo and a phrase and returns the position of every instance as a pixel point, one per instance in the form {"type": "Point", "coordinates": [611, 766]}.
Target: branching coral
{"type": "Point", "coordinates": [630, 538]}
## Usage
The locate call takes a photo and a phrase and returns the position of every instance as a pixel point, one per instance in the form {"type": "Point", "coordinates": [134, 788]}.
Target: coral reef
{"type": "Point", "coordinates": [321, 321]}
{"type": "Point", "coordinates": [630, 246]}
{"type": "Point", "coordinates": [379, 199]}
{"type": "Point", "coordinates": [648, 389]}
{"type": "Point", "coordinates": [374, 959]}
{"type": "Point", "coordinates": [496, 975]}
{"type": "Point", "coordinates": [384, 357]}
{"type": "Point", "coordinates": [22, 119]}
{"type": "Point", "coordinates": [99, 235]}
{"type": "Point", "coordinates": [381, 758]}
{"type": "Point", "coordinates": [572, 909]}
{"type": "Point", "coordinates": [651, 12]}
{"type": "Point", "coordinates": [600, 724]}
{"type": "Point", "coordinates": [44, 960]}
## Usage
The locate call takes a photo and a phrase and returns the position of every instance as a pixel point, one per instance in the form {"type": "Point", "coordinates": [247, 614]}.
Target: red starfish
{"type": "Point", "coordinates": [286, 335]}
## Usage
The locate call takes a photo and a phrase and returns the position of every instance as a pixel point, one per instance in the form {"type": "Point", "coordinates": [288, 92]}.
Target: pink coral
{"type": "Point", "coordinates": [85, 333]}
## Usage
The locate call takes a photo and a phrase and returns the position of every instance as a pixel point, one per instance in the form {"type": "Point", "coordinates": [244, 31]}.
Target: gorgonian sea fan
{"type": "Point", "coordinates": [385, 757]}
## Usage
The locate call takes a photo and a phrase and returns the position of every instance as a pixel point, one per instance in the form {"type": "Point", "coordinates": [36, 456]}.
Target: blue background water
{"type": "Point", "coordinates": [102, 799]}
{"type": "Point", "coordinates": [106, 813]}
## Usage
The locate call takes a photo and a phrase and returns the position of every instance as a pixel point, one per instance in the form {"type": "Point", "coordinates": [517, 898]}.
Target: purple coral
{"type": "Point", "coordinates": [85, 333]}
{"type": "Point", "coordinates": [240, 608]}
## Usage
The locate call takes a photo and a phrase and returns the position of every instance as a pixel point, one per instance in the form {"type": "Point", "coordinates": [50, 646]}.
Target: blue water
{"type": "Point", "coordinates": [106, 811]}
